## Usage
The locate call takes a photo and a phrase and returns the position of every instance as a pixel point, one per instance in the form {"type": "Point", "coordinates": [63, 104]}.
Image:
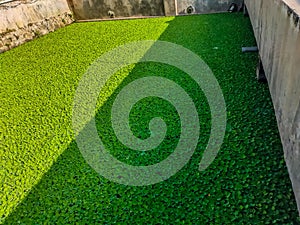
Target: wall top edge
{"type": "Point", "coordinates": [5, 1]}
{"type": "Point", "coordinates": [293, 5]}
{"type": "Point", "coordinates": [293, 10]}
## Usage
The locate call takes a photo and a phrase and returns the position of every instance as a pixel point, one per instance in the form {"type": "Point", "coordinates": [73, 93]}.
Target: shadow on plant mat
{"type": "Point", "coordinates": [247, 183]}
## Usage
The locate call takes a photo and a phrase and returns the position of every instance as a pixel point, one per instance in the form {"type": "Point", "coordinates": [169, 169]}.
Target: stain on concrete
{"type": "Point", "coordinates": [291, 13]}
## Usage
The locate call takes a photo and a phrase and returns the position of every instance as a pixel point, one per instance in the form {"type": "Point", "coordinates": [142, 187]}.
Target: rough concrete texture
{"type": "Point", "coordinates": [170, 7]}
{"type": "Point", "coordinates": [98, 9]}
{"type": "Point", "coordinates": [23, 20]}
{"type": "Point", "coordinates": [205, 6]}
{"type": "Point", "coordinates": [276, 27]}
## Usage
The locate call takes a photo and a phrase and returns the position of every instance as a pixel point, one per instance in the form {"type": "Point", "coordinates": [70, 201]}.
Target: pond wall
{"type": "Point", "coordinates": [276, 27]}
{"type": "Point", "coordinates": [205, 6]}
{"type": "Point", "coordinates": [98, 9]}
{"type": "Point", "coordinates": [23, 20]}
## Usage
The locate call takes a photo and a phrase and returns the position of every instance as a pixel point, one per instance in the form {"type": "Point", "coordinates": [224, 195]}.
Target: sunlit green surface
{"type": "Point", "coordinates": [247, 183]}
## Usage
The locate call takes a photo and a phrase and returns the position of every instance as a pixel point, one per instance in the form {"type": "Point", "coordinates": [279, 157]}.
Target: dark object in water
{"type": "Point", "coordinates": [249, 49]}
{"type": "Point", "coordinates": [233, 8]}
{"type": "Point", "coordinates": [190, 9]}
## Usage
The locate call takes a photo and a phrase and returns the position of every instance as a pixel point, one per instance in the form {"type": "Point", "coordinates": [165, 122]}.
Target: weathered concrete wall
{"type": "Point", "coordinates": [170, 7]}
{"type": "Point", "coordinates": [98, 9]}
{"type": "Point", "coordinates": [277, 30]}
{"type": "Point", "coordinates": [205, 6]}
{"type": "Point", "coordinates": [23, 20]}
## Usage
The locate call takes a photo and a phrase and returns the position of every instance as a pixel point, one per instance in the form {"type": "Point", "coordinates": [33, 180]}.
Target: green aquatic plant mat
{"type": "Point", "coordinates": [45, 179]}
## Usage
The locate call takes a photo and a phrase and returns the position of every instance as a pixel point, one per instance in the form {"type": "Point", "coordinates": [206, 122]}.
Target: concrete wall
{"type": "Point", "coordinates": [23, 20]}
{"type": "Point", "coordinates": [98, 9]}
{"type": "Point", "coordinates": [276, 27]}
{"type": "Point", "coordinates": [205, 6]}
{"type": "Point", "coordinates": [170, 7]}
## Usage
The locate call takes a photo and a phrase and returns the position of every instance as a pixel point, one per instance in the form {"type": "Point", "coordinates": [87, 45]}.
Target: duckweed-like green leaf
{"type": "Point", "coordinates": [44, 178]}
